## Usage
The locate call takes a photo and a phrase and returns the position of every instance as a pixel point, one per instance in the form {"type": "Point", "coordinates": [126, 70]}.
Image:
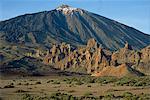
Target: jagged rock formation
{"type": "Point", "coordinates": [145, 56]}
{"type": "Point", "coordinates": [91, 57]}
{"type": "Point", "coordinates": [97, 60]}
{"type": "Point", "coordinates": [144, 63]}
{"type": "Point", "coordinates": [57, 53]}
{"type": "Point", "coordinates": [139, 60]}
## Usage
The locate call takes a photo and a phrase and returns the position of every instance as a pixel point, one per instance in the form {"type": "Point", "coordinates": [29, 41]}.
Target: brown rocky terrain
{"type": "Point", "coordinates": [90, 59]}
{"type": "Point", "coordinates": [98, 61]}
{"type": "Point", "coordinates": [119, 71]}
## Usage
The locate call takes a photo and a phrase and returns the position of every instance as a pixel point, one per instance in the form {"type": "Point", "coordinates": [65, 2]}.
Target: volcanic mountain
{"type": "Point", "coordinates": [71, 25]}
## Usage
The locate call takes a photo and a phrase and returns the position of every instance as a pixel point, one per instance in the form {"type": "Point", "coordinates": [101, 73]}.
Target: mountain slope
{"type": "Point", "coordinates": [72, 25]}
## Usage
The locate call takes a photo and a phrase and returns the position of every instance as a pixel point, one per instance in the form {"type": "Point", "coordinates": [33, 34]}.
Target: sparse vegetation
{"type": "Point", "coordinates": [11, 83]}
{"type": "Point", "coordinates": [133, 81]}
{"type": "Point", "coordinates": [67, 88]}
{"type": "Point", "coordinates": [89, 86]}
{"type": "Point", "coordinates": [124, 81]}
{"type": "Point", "coordinates": [87, 96]}
{"type": "Point", "coordinates": [27, 97]}
{"type": "Point", "coordinates": [56, 82]}
{"type": "Point", "coordinates": [38, 83]}
{"type": "Point", "coordinates": [50, 81]}
{"type": "Point", "coordinates": [20, 91]}
{"type": "Point", "coordinates": [79, 83]}
{"type": "Point", "coordinates": [130, 96]}
{"type": "Point", "coordinates": [19, 84]}
{"type": "Point", "coordinates": [9, 86]}
{"type": "Point", "coordinates": [71, 91]}
{"type": "Point", "coordinates": [26, 84]}
{"type": "Point", "coordinates": [1, 98]}
{"type": "Point", "coordinates": [61, 96]}
{"type": "Point", "coordinates": [109, 96]}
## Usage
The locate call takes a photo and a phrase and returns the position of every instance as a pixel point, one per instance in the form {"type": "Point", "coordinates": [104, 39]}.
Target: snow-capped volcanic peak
{"type": "Point", "coordinates": [68, 10]}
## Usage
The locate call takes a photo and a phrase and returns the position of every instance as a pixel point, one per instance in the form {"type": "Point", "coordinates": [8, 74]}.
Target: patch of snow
{"type": "Point", "coordinates": [68, 10]}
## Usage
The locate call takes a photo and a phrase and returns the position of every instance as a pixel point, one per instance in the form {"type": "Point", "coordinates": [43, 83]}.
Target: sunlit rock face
{"type": "Point", "coordinates": [119, 71]}
{"type": "Point", "coordinates": [97, 61]}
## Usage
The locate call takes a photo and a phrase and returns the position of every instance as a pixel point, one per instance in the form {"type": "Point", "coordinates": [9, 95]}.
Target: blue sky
{"type": "Point", "coordinates": [134, 13]}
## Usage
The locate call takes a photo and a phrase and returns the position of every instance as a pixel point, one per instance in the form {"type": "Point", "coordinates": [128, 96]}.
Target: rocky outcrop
{"type": "Point", "coordinates": [125, 55]}
{"type": "Point", "coordinates": [91, 57]}
{"type": "Point", "coordinates": [99, 61]}
{"type": "Point", "coordinates": [57, 53]}
{"type": "Point", "coordinates": [91, 43]}
{"type": "Point", "coordinates": [144, 63]}
{"type": "Point", "coordinates": [139, 60]}
{"type": "Point", "coordinates": [119, 71]}
{"type": "Point", "coordinates": [127, 46]}
{"type": "Point", "coordinates": [145, 54]}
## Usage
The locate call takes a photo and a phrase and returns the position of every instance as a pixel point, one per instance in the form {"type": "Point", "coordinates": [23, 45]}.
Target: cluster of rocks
{"type": "Point", "coordinates": [35, 53]}
{"type": "Point", "coordinates": [139, 60]}
{"type": "Point", "coordinates": [89, 57]}
{"type": "Point", "coordinates": [94, 59]}
{"type": "Point", "coordinates": [57, 53]}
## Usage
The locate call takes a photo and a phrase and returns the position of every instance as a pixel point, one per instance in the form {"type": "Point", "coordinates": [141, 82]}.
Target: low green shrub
{"type": "Point", "coordinates": [109, 95]}
{"type": "Point", "coordinates": [127, 94]}
{"type": "Point", "coordinates": [61, 96]}
{"type": "Point", "coordinates": [134, 81]}
{"type": "Point", "coordinates": [89, 86]}
{"type": "Point", "coordinates": [79, 83]}
{"type": "Point", "coordinates": [27, 97]}
{"type": "Point", "coordinates": [71, 91]}
{"type": "Point", "coordinates": [38, 83]}
{"type": "Point", "coordinates": [87, 94]}
{"type": "Point", "coordinates": [26, 84]}
{"type": "Point", "coordinates": [50, 81]}
{"type": "Point", "coordinates": [19, 84]}
{"type": "Point", "coordinates": [56, 82]}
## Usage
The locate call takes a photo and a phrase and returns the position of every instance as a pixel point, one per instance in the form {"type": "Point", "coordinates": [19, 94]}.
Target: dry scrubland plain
{"type": "Point", "coordinates": [74, 88]}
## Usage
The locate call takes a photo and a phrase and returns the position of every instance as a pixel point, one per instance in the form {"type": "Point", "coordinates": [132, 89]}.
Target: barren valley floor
{"type": "Point", "coordinates": [81, 87]}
